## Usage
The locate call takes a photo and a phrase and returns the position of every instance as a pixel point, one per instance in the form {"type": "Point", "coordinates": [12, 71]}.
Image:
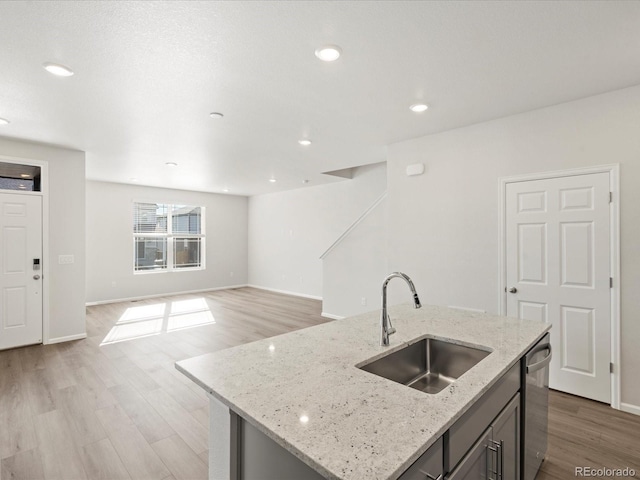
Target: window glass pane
{"type": "Point", "coordinates": [151, 253]}
{"type": "Point", "coordinates": [185, 219]}
{"type": "Point", "coordinates": [150, 218]}
{"type": "Point", "coordinates": [16, 184]}
{"type": "Point", "coordinates": [186, 252]}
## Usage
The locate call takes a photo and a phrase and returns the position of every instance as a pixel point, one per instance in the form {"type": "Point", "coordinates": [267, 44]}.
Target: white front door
{"type": "Point", "coordinates": [558, 270]}
{"type": "Point", "coordinates": [20, 283]}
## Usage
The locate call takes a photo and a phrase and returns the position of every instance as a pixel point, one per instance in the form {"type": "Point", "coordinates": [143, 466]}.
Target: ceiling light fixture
{"type": "Point", "coordinates": [4, 121]}
{"type": "Point", "coordinates": [57, 69]}
{"type": "Point", "coordinates": [171, 164]}
{"type": "Point", "coordinates": [328, 53]}
{"type": "Point", "coordinates": [272, 180]}
{"type": "Point", "coordinates": [418, 107]}
{"type": "Point", "coordinates": [25, 175]}
{"type": "Point", "coordinates": [216, 115]}
{"type": "Point", "coordinates": [225, 190]}
{"type": "Point", "coordinates": [305, 142]}
{"type": "Point", "coordinates": [133, 179]}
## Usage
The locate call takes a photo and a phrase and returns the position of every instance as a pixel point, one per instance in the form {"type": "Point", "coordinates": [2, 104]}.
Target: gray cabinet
{"type": "Point", "coordinates": [506, 434]}
{"type": "Point", "coordinates": [496, 455]}
{"type": "Point", "coordinates": [429, 466]}
{"type": "Point", "coordinates": [474, 465]}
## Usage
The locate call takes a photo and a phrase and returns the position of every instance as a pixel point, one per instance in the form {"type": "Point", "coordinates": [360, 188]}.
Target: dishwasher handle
{"type": "Point", "coordinates": [534, 367]}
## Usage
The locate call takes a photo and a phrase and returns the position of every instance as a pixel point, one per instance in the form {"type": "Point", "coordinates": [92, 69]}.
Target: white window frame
{"type": "Point", "coordinates": [170, 236]}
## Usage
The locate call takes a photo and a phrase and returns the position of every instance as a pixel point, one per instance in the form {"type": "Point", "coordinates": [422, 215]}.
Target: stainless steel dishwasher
{"type": "Point", "coordinates": [535, 388]}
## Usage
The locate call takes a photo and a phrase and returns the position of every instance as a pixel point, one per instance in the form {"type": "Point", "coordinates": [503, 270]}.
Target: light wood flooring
{"type": "Point", "coordinates": [108, 411]}
{"type": "Point", "coordinates": [82, 410]}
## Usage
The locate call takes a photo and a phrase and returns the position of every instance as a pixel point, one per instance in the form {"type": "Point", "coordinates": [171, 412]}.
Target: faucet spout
{"type": "Point", "coordinates": [385, 321]}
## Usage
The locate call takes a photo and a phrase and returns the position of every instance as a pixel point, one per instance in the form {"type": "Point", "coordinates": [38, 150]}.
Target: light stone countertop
{"type": "Point", "coordinates": [359, 425]}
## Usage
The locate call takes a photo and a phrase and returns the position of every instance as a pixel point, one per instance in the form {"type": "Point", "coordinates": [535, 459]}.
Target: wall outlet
{"type": "Point", "coordinates": [65, 259]}
{"type": "Point", "coordinates": [363, 301]}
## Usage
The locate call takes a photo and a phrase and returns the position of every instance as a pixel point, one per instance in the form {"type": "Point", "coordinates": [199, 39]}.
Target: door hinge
{"type": "Point", "coordinates": [610, 282]}
{"type": "Point", "coordinates": [610, 197]}
{"type": "Point", "coordinates": [610, 367]}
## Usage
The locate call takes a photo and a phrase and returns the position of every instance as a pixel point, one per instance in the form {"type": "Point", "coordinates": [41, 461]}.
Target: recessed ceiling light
{"type": "Point", "coordinates": [328, 53]}
{"type": "Point", "coordinates": [216, 115]}
{"type": "Point", "coordinates": [305, 141]}
{"type": "Point", "coordinates": [272, 180]}
{"type": "Point", "coordinates": [171, 164]}
{"type": "Point", "coordinates": [25, 175]}
{"type": "Point", "coordinates": [225, 190]}
{"type": "Point", "coordinates": [4, 121]}
{"type": "Point", "coordinates": [133, 179]}
{"type": "Point", "coordinates": [304, 418]}
{"type": "Point", "coordinates": [418, 107]}
{"type": "Point", "coordinates": [57, 69]}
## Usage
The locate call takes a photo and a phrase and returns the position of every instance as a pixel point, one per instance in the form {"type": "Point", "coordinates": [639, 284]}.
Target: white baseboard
{"type": "Point", "coordinates": [68, 338]}
{"type": "Point", "coordinates": [331, 316]}
{"type": "Point", "coordinates": [156, 295]}
{"type": "Point", "coordinates": [286, 292]}
{"type": "Point", "coordinates": [630, 408]}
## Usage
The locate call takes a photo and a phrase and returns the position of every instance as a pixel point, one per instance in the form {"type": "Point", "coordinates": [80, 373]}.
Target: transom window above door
{"type": "Point", "coordinates": [168, 237]}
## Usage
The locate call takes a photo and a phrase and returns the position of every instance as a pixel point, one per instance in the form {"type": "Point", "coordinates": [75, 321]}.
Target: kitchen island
{"type": "Point", "coordinates": [304, 393]}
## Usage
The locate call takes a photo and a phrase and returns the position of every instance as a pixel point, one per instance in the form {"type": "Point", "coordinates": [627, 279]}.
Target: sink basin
{"type": "Point", "coordinates": [428, 365]}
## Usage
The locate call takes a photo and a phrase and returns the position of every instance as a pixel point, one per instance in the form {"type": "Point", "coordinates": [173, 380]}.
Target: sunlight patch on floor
{"type": "Point", "coordinates": [146, 320]}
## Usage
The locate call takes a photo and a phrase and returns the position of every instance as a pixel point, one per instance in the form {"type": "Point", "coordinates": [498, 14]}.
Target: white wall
{"type": "Point", "coordinates": [66, 233]}
{"type": "Point", "coordinates": [288, 231]}
{"type": "Point", "coordinates": [445, 224]}
{"type": "Point", "coordinates": [110, 242]}
{"type": "Point", "coordinates": [353, 271]}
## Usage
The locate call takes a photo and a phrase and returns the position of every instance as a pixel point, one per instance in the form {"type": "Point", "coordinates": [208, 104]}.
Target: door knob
{"type": "Point", "coordinates": [513, 290]}
{"type": "Point", "coordinates": [36, 277]}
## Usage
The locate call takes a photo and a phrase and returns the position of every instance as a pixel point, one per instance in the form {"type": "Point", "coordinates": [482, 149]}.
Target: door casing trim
{"type": "Point", "coordinates": [44, 194]}
{"type": "Point", "coordinates": [614, 255]}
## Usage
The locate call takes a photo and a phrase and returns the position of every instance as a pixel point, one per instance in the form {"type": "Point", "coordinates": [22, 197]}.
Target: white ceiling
{"type": "Point", "coordinates": [147, 75]}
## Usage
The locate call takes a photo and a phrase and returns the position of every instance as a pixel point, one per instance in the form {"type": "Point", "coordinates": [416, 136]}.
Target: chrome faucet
{"type": "Point", "coordinates": [387, 328]}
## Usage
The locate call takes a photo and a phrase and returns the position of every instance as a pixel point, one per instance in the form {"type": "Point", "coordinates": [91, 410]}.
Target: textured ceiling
{"type": "Point", "coordinates": [147, 75]}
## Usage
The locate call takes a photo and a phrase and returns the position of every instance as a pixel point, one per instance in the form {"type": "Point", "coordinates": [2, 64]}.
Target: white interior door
{"type": "Point", "coordinates": [20, 282]}
{"type": "Point", "coordinates": [558, 270]}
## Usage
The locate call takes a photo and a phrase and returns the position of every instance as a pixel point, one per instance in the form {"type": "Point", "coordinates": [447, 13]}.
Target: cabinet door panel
{"type": "Point", "coordinates": [474, 465]}
{"type": "Point", "coordinates": [430, 463]}
{"type": "Point", "coordinates": [506, 430]}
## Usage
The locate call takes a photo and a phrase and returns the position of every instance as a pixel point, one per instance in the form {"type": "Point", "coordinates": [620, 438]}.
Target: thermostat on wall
{"type": "Point", "coordinates": [415, 169]}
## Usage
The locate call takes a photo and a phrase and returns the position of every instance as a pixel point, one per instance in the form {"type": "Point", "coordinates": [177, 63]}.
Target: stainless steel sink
{"type": "Point", "coordinates": [428, 365]}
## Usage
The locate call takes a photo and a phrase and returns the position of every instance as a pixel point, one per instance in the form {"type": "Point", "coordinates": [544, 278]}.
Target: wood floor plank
{"type": "Point", "coordinates": [41, 393]}
{"type": "Point", "coordinates": [101, 462]}
{"type": "Point", "coordinates": [17, 432]}
{"type": "Point", "coordinates": [22, 466]}
{"type": "Point", "coordinates": [181, 460]}
{"type": "Point", "coordinates": [134, 451]}
{"type": "Point", "coordinates": [186, 426]}
{"type": "Point", "coordinates": [59, 454]}
{"type": "Point", "coordinates": [151, 425]}
{"type": "Point", "coordinates": [584, 433]}
{"type": "Point", "coordinates": [81, 416]}
{"type": "Point", "coordinates": [181, 393]}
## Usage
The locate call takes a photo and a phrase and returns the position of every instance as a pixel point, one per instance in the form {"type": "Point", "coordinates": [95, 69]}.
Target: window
{"type": "Point", "coordinates": [167, 237]}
